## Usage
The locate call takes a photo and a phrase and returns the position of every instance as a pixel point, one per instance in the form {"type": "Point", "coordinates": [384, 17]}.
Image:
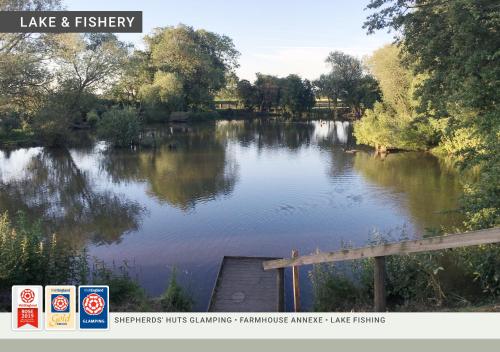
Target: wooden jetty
{"type": "Point", "coordinates": [255, 284]}
{"type": "Point", "coordinates": [243, 285]}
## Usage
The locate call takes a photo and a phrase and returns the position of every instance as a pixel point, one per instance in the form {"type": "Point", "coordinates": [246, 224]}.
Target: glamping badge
{"type": "Point", "coordinates": [93, 307]}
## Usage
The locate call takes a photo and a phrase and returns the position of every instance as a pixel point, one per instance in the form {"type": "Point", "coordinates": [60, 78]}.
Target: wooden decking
{"type": "Point", "coordinates": [242, 285]}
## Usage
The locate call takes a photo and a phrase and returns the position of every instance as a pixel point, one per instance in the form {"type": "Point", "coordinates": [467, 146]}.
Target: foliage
{"type": "Point", "coordinates": [442, 280]}
{"type": "Point", "coordinates": [335, 291]}
{"type": "Point", "coordinates": [175, 299]}
{"type": "Point", "coordinates": [247, 94]}
{"type": "Point", "coordinates": [24, 75]}
{"type": "Point", "coordinates": [292, 94]}
{"type": "Point", "coordinates": [347, 82]}
{"type": "Point", "coordinates": [454, 45]}
{"type": "Point", "coordinates": [297, 95]}
{"type": "Point", "coordinates": [86, 62]}
{"type": "Point", "coordinates": [31, 257]}
{"type": "Point", "coordinates": [121, 127]}
{"type": "Point", "coordinates": [125, 293]}
{"type": "Point", "coordinates": [197, 60]}
{"type": "Point", "coordinates": [134, 73]}
{"type": "Point", "coordinates": [166, 90]}
{"type": "Point", "coordinates": [394, 122]}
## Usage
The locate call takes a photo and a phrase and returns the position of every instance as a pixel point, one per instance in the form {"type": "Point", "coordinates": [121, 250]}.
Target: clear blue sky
{"type": "Point", "coordinates": [274, 36]}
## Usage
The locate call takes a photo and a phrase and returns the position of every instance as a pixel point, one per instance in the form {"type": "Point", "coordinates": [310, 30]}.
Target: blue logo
{"type": "Point", "coordinates": [59, 303]}
{"type": "Point", "coordinates": [93, 307]}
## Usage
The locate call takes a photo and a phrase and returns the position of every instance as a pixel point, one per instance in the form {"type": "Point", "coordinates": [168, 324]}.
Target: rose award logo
{"type": "Point", "coordinates": [60, 303]}
{"type": "Point", "coordinates": [93, 304]}
{"type": "Point", "coordinates": [27, 295]}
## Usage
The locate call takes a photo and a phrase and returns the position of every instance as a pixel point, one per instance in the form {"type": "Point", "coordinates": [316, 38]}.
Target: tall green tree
{"type": "Point", "coordinates": [247, 94]}
{"type": "Point", "coordinates": [348, 82]}
{"type": "Point", "coordinates": [394, 122]}
{"type": "Point", "coordinates": [297, 95]}
{"type": "Point", "coordinates": [198, 60]}
{"type": "Point", "coordinates": [268, 91]}
{"type": "Point", "coordinates": [24, 73]}
{"type": "Point", "coordinates": [454, 44]}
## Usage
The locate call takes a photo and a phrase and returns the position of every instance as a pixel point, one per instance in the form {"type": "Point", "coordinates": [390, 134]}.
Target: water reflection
{"type": "Point", "coordinates": [48, 184]}
{"type": "Point", "coordinates": [255, 188]}
{"type": "Point", "coordinates": [431, 189]}
{"type": "Point", "coordinates": [189, 167]}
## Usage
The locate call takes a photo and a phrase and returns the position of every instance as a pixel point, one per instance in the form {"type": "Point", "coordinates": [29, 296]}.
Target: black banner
{"type": "Point", "coordinates": [70, 21]}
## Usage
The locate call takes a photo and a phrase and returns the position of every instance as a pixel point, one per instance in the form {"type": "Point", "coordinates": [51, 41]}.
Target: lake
{"type": "Point", "coordinates": [244, 188]}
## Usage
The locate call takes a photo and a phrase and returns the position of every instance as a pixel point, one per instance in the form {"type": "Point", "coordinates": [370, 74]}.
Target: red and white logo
{"type": "Point", "coordinates": [93, 304]}
{"type": "Point", "coordinates": [27, 307]}
{"type": "Point", "coordinates": [60, 303]}
{"type": "Point", "coordinates": [27, 295]}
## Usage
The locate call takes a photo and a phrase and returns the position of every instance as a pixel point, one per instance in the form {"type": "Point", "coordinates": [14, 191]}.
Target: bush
{"type": "Point", "coordinates": [29, 257]}
{"type": "Point", "coordinates": [335, 291]}
{"type": "Point", "coordinates": [120, 127]}
{"type": "Point", "coordinates": [8, 122]}
{"type": "Point", "coordinates": [92, 117]}
{"type": "Point", "coordinates": [125, 294]}
{"type": "Point", "coordinates": [175, 299]}
{"type": "Point", "coordinates": [440, 280]}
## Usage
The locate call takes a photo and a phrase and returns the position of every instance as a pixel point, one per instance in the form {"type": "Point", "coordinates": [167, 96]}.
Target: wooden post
{"type": "Point", "coordinates": [296, 285]}
{"type": "Point", "coordinates": [379, 285]}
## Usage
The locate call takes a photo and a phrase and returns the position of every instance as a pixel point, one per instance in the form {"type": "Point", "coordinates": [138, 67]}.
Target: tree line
{"type": "Point", "coordinates": [440, 84]}
{"type": "Point", "coordinates": [52, 84]}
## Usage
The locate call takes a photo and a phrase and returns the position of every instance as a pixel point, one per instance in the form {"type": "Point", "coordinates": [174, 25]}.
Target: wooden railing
{"type": "Point", "coordinates": [379, 252]}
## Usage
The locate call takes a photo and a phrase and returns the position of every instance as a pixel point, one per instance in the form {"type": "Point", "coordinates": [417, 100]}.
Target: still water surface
{"type": "Point", "coordinates": [228, 188]}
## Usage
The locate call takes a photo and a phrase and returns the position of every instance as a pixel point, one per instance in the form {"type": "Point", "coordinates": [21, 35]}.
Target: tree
{"type": "Point", "coordinates": [394, 122]}
{"type": "Point", "coordinates": [247, 94]}
{"type": "Point", "coordinates": [454, 45]}
{"type": "Point", "coordinates": [86, 63]}
{"type": "Point", "coordinates": [348, 82]}
{"type": "Point", "coordinates": [230, 90]}
{"type": "Point", "coordinates": [134, 74]}
{"type": "Point", "coordinates": [327, 87]}
{"type": "Point", "coordinates": [24, 75]}
{"type": "Point", "coordinates": [297, 95]}
{"type": "Point", "coordinates": [199, 59]}
{"type": "Point", "coordinates": [268, 91]}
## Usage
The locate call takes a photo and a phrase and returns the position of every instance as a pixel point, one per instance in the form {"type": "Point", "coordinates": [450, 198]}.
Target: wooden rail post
{"type": "Point", "coordinates": [296, 285]}
{"type": "Point", "coordinates": [379, 285]}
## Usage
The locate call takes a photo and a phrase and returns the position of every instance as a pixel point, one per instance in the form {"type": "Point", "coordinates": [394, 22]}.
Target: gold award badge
{"type": "Point", "coordinates": [60, 307]}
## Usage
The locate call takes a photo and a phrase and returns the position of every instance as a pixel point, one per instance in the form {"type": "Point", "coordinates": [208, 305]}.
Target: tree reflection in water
{"type": "Point", "coordinates": [50, 186]}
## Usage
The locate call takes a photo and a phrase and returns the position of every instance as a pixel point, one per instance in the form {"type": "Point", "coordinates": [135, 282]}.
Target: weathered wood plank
{"type": "Point", "coordinates": [296, 283]}
{"type": "Point", "coordinates": [379, 298]}
{"type": "Point", "coordinates": [243, 286]}
{"type": "Point", "coordinates": [472, 238]}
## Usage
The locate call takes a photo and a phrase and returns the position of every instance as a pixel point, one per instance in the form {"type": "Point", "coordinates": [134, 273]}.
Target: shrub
{"type": "Point", "coordinates": [92, 117]}
{"type": "Point", "coordinates": [448, 279]}
{"type": "Point", "coordinates": [175, 299]}
{"type": "Point", "coordinates": [29, 257]}
{"type": "Point", "coordinates": [335, 291]}
{"type": "Point", "coordinates": [125, 293]}
{"type": "Point", "coordinates": [120, 127]}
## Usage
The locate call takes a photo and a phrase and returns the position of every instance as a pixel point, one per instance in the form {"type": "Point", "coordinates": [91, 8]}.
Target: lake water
{"type": "Point", "coordinates": [228, 188]}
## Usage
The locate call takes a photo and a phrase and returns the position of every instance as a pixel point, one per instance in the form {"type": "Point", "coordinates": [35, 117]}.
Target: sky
{"type": "Point", "coordinates": [276, 37]}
